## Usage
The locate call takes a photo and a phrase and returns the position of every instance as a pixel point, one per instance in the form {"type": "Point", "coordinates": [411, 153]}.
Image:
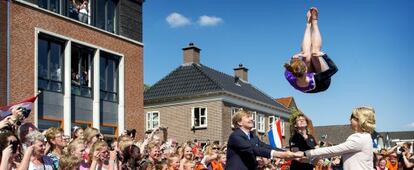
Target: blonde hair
{"type": "Point", "coordinates": [74, 144]}
{"type": "Point", "coordinates": [69, 162]}
{"type": "Point", "coordinates": [89, 133]}
{"type": "Point", "coordinates": [170, 159]}
{"type": "Point", "coordinates": [181, 151]}
{"type": "Point", "coordinates": [297, 67]}
{"type": "Point", "coordinates": [151, 146]}
{"type": "Point", "coordinates": [51, 135]}
{"type": "Point", "coordinates": [238, 117]}
{"type": "Point", "coordinates": [366, 118]}
{"type": "Point", "coordinates": [96, 147]}
{"type": "Point", "coordinates": [209, 149]}
{"type": "Point", "coordinates": [124, 141]}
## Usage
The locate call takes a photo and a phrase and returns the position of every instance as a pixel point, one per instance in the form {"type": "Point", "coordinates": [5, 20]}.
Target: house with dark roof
{"type": "Point", "coordinates": [389, 139]}
{"type": "Point", "coordinates": [334, 134]}
{"type": "Point", "coordinates": [197, 102]}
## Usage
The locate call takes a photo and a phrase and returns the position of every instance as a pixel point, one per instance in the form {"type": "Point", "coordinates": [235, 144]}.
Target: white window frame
{"type": "Point", "coordinates": [233, 111]}
{"type": "Point", "coordinates": [149, 117]}
{"type": "Point", "coordinates": [254, 115]}
{"type": "Point", "coordinates": [67, 80]}
{"type": "Point", "coordinates": [193, 116]}
{"type": "Point", "coordinates": [261, 123]}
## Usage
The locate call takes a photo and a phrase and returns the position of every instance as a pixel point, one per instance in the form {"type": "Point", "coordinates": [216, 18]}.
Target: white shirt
{"type": "Point", "coordinates": [356, 151]}
{"type": "Point", "coordinates": [47, 164]}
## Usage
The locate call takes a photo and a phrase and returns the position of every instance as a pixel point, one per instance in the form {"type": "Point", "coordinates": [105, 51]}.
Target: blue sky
{"type": "Point", "coordinates": [371, 41]}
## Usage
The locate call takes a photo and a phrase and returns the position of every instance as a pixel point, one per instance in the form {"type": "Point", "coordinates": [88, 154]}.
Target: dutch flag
{"type": "Point", "coordinates": [275, 134]}
{"type": "Point", "coordinates": [27, 103]}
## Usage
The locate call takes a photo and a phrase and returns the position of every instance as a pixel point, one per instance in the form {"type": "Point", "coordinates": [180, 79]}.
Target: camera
{"type": "Point", "coordinates": [131, 133]}
{"type": "Point", "coordinates": [402, 149]}
{"type": "Point", "coordinates": [321, 143]}
{"type": "Point", "coordinates": [24, 111]}
{"type": "Point", "coordinates": [9, 127]}
{"type": "Point", "coordinates": [14, 144]}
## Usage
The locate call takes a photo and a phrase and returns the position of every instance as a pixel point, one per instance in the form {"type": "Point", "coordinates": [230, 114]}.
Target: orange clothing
{"type": "Point", "coordinates": [390, 166]}
{"type": "Point", "coordinates": [216, 165]}
{"type": "Point", "coordinates": [286, 165]}
{"type": "Point", "coordinates": [199, 166]}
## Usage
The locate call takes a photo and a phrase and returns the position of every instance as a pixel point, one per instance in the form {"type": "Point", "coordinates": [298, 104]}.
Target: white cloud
{"type": "Point", "coordinates": [411, 125]}
{"type": "Point", "coordinates": [177, 20]}
{"type": "Point", "coordinates": [209, 20]}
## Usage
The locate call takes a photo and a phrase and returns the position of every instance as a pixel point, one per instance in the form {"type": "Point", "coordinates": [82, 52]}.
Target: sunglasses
{"type": "Point", "coordinates": [215, 148]}
{"type": "Point", "coordinates": [353, 117]}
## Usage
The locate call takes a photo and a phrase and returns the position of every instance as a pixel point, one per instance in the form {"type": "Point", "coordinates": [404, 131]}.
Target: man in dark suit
{"type": "Point", "coordinates": [243, 146]}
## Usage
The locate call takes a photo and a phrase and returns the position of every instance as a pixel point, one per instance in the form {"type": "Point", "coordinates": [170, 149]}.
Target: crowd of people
{"type": "Point", "coordinates": [24, 146]}
{"type": "Point", "coordinates": [395, 158]}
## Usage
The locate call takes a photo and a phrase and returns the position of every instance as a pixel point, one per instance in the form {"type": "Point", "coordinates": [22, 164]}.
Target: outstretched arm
{"type": "Point", "coordinates": [407, 162]}
{"type": "Point", "coordinates": [164, 133]}
{"type": "Point", "coordinates": [392, 149]}
{"type": "Point", "coordinates": [352, 144]}
{"type": "Point", "coordinates": [148, 140]}
{"type": "Point", "coordinates": [6, 154]}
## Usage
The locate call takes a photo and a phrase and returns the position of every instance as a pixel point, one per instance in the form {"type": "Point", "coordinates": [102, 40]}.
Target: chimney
{"type": "Point", "coordinates": [191, 54]}
{"type": "Point", "coordinates": [241, 72]}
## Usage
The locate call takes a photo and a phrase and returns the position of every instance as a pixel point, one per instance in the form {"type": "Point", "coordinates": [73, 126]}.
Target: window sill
{"type": "Point", "coordinates": [149, 131]}
{"type": "Point", "coordinates": [199, 128]}
{"type": "Point", "coordinates": [86, 97]}
{"type": "Point", "coordinates": [48, 90]}
{"type": "Point", "coordinates": [110, 101]}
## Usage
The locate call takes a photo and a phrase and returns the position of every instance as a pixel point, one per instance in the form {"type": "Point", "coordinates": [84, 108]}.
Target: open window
{"type": "Point", "coordinates": [199, 117]}
{"type": "Point", "coordinates": [82, 70]}
{"type": "Point", "coordinates": [153, 120]}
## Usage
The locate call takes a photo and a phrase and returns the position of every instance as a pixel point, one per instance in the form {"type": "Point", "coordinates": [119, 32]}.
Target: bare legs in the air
{"type": "Point", "coordinates": [312, 44]}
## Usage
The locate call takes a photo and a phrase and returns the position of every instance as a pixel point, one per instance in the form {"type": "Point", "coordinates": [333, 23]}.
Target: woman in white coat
{"type": "Point", "coordinates": [357, 150]}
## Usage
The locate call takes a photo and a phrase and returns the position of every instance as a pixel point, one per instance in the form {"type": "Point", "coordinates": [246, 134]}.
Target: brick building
{"type": "Point", "coordinates": [89, 67]}
{"type": "Point", "coordinates": [197, 102]}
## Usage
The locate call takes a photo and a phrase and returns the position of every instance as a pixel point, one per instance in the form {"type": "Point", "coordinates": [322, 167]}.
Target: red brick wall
{"type": "Point", "coordinates": [3, 53]}
{"type": "Point", "coordinates": [24, 19]}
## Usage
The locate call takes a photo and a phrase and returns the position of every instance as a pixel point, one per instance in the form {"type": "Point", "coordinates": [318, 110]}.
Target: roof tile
{"type": "Point", "coordinates": [196, 79]}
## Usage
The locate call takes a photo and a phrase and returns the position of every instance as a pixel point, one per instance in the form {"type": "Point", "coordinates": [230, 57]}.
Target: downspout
{"type": "Point", "coordinates": [8, 52]}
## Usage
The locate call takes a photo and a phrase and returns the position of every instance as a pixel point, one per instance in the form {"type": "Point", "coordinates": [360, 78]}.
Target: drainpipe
{"type": "Point", "coordinates": [8, 53]}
